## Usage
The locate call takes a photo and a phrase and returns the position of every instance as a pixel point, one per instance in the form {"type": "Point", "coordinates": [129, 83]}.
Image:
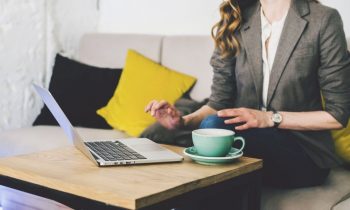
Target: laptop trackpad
{"type": "Point", "coordinates": [147, 147]}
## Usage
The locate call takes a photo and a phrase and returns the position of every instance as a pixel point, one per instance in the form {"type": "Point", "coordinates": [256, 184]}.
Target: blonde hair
{"type": "Point", "coordinates": [223, 32]}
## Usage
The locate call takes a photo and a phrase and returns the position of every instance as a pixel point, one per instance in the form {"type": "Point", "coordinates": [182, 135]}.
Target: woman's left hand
{"type": "Point", "coordinates": [249, 118]}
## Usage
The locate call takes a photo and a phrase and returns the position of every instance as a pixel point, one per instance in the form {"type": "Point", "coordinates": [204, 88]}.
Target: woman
{"type": "Point", "coordinates": [273, 61]}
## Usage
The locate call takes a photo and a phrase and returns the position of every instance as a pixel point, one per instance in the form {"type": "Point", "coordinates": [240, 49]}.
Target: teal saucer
{"type": "Point", "coordinates": [229, 158]}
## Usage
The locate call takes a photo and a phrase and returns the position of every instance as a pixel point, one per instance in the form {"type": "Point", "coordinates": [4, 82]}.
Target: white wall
{"type": "Point", "coordinates": [158, 16]}
{"type": "Point", "coordinates": [68, 20]}
{"type": "Point", "coordinates": [31, 32]}
{"type": "Point", "coordinates": [22, 60]}
{"type": "Point", "coordinates": [175, 17]}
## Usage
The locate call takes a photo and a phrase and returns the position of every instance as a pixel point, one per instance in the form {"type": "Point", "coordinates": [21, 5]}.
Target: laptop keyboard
{"type": "Point", "coordinates": [114, 151]}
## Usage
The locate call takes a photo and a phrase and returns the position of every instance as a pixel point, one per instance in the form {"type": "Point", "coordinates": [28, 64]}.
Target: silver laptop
{"type": "Point", "coordinates": [112, 152]}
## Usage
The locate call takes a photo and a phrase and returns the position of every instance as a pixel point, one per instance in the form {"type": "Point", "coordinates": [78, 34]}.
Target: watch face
{"type": "Point", "coordinates": [277, 117]}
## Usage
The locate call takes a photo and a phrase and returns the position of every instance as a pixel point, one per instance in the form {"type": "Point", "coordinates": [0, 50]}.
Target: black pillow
{"type": "Point", "coordinates": [80, 90]}
{"type": "Point", "coordinates": [180, 137]}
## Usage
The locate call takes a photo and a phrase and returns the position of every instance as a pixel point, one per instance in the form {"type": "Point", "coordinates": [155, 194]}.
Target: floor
{"type": "Point", "coordinates": [16, 200]}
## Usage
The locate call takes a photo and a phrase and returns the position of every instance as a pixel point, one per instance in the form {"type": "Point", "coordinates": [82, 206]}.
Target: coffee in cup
{"type": "Point", "coordinates": [212, 142]}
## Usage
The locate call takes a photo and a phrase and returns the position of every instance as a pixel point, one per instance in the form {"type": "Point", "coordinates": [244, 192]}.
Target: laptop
{"type": "Point", "coordinates": [109, 152]}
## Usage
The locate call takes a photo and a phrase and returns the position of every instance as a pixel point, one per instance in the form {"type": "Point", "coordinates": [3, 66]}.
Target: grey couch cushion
{"type": "Point", "coordinates": [109, 50]}
{"type": "Point", "coordinates": [190, 55]}
{"type": "Point", "coordinates": [324, 197]}
{"type": "Point", "coordinates": [344, 205]}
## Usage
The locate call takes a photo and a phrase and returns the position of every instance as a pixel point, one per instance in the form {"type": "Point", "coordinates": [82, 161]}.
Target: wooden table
{"type": "Point", "coordinates": [66, 176]}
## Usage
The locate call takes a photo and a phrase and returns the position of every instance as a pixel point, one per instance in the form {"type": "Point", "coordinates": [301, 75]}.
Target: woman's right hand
{"type": "Point", "coordinates": [166, 114]}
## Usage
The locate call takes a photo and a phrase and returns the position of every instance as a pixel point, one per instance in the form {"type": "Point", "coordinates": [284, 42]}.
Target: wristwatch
{"type": "Point", "coordinates": [276, 118]}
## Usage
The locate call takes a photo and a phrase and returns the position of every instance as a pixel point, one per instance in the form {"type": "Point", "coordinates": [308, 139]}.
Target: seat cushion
{"type": "Point", "coordinates": [323, 197]}
{"type": "Point", "coordinates": [109, 50]}
{"type": "Point", "coordinates": [344, 205]}
{"type": "Point", "coordinates": [191, 55]}
{"type": "Point", "coordinates": [41, 138]}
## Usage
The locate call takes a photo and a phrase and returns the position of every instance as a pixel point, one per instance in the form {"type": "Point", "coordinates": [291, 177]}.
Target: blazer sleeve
{"type": "Point", "coordinates": [223, 84]}
{"type": "Point", "coordinates": [334, 71]}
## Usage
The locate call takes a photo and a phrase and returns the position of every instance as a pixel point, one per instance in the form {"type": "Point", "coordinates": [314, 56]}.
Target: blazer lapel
{"type": "Point", "coordinates": [293, 28]}
{"type": "Point", "coordinates": [251, 37]}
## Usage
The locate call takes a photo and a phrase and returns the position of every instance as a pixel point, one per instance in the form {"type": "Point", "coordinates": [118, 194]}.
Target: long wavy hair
{"type": "Point", "coordinates": [223, 32]}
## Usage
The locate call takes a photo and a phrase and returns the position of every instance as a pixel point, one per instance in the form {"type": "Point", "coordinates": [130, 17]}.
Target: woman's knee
{"type": "Point", "coordinates": [213, 121]}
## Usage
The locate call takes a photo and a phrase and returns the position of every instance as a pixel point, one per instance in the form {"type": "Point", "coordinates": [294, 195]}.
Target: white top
{"type": "Point", "coordinates": [270, 32]}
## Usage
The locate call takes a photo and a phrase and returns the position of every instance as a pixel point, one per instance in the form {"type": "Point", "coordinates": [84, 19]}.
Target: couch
{"type": "Point", "coordinates": [189, 54]}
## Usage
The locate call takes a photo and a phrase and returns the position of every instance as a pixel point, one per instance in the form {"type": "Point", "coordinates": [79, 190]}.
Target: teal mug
{"type": "Point", "coordinates": [212, 142]}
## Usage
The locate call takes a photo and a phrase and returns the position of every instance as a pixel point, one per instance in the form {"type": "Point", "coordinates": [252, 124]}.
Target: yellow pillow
{"type": "Point", "coordinates": [142, 80]}
{"type": "Point", "coordinates": [342, 142]}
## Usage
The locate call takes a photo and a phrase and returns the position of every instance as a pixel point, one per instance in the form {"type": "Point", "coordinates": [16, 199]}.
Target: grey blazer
{"type": "Point", "coordinates": [311, 59]}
